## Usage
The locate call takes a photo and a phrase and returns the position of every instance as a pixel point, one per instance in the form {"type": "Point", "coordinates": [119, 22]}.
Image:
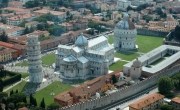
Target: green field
{"type": "Point", "coordinates": [57, 87]}
{"type": "Point", "coordinates": [46, 60]}
{"type": "Point", "coordinates": [111, 39]}
{"type": "Point", "coordinates": [45, 92]}
{"type": "Point", "coordinates": [145, 43]}
{"type": "Point", "coordinates": [124, 55]}
{"type": "Point", "coordinates": [117, 65]}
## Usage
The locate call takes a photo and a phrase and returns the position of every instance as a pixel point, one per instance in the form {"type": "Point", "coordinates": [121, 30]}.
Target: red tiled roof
{"type": "Point", "coordinates": [6, 44]}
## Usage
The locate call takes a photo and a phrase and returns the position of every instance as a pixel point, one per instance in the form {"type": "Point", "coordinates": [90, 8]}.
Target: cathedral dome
{"type": "Point", "coordinates": [137, 63]}
{"type": "Point", "coordinates": [125, 23]}
{"type": "Point", "coordinates": [81, 41]}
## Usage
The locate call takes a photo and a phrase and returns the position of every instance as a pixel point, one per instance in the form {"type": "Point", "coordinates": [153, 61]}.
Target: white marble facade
{"type": "Point", "coordinates": [87, 58]}
{"type": "Point", "coordinates": [125, 34]}
{"type": "Point", "coordinates": [34, 59]}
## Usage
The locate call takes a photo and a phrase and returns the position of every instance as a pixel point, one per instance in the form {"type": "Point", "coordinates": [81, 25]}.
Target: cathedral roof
{"type": "Point", "coordinates": [81, 41]}
{"type": "Point", "coordinates": [125, 23]}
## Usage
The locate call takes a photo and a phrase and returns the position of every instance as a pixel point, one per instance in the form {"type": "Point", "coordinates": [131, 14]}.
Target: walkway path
{"type": "Point", "coordinates": [12, 86]}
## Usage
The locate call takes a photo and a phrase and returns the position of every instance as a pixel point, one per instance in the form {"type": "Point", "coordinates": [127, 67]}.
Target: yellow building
{"type": "Point", "coordinates": [151, 102]}
{"type": "Point", "coordinates": [5, 54]}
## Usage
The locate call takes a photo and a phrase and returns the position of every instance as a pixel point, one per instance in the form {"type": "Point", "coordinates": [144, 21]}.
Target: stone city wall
{"type": "Point", "coordinates": [122, 93]}
{"type": "Point", "coordinates": [151, 32]}
{"type": "Point", "coordinates": [172, 43]}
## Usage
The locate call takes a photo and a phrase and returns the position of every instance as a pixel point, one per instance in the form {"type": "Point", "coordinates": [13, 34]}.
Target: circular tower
{"type": "Point", "coordinates": [34, 59]}
{"type": "Point", "coordinates": [136, 69]}
{"type": "Point", "coordinates": [125, 34]}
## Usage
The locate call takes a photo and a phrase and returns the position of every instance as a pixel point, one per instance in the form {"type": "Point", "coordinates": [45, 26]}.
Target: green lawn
{"type": "Point", "coordinates": [145, 43]}
{"type": "Point", "coordinates": [148, 43]}
{"type": "Point", "coordinates": [18, 87]}
{"type": "Point", "coordinates": [46, 60]}
{"type": "Point", "coordinates": [124, 55]}
{"type": "Point", "coordinates": [117, 66]}
{"type": "Point", "coordinates": [45, 92]}
{"type": "Point", "coordinates": [111, 39]}
{"type": "Point", "coordinates": [24, 75]}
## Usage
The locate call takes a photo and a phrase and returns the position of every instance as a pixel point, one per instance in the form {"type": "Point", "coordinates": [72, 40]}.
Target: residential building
{"type": "Point", "coordinates": [5, 16]}
{"type": "Point", "coordinates": [15, 32]}
{"type": "Point", "coordinates": [67, 26]}
{"type": "Point", "coordinates": [17, 10]}
{"type": "Point", "coordinates": [123, 4]}
{"type": "Point", "coordinates": [60, 15]}
{"type": "Point", "coordinates": [32, 24]}
{"type": "Point", "coordinates": [16, 20]}
{"type": "Point", "coordinates": [175, 102]}
{"type": "Point", "coordinates": [151, 102]}
{"type": "Point", "coordinates": [4, 27]}
{"type": "Point", "coordinates": [15, 4]}
{"type": "Point", "coordinates": [5, 54]}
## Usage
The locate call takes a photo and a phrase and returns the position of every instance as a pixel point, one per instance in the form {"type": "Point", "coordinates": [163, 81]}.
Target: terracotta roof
{"type": "Point", "coordinates": [20, 17]}
{"type": "Point", "coordinates": [44, 11]}
{"type": "Point", "coordinates": [19, 47]}
{"type": "Point", "coordinates": [6, 44]}
{"type": "Point", "coordinates": [176, 99]}
{"type": "Point", "coordinates": [16, 9]}
{"type": "Point", "coordinates": [23, 108]}
{"type": "Point", "coordinates": [15, 3]}
{"type": "Point", "coordinates": [5, 51]}
{"type": "Point", "coordinates": [146, 101]}
{"type": "Point", "coordinates": [14, 29]}
{"type": "Point", "coordinates": [65, 96]}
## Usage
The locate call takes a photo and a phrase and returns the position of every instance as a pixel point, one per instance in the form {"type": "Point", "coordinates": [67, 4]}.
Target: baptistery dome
{"type": "Point", "coordinates": [81, 41]}
{"type": "Point", "coordinates": [125, 34]}
{"type": "Point", "coordinates": [125, 23]}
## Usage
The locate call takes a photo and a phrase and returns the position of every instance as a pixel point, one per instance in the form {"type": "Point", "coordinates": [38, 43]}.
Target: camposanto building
{"type": "Point", "coordinates": [87, 58]}
{"type": "Point", "coordinates": [125, 34]}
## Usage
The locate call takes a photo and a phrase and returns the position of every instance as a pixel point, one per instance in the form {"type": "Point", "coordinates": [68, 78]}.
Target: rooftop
{"type": "Point", "coordinates": [150, 99]}
{"type": "Point", "coordinates": [176, 99]}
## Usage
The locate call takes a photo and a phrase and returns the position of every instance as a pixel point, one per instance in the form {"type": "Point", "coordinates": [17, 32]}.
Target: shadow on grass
{"type": "Point", "coordinates": [30, 88]}
{"type": "Point", "coordinates": [129, 52]}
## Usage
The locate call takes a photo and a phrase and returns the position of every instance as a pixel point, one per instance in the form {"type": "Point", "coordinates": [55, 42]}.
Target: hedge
{"type": "Point", "coordinates": [15, 77]}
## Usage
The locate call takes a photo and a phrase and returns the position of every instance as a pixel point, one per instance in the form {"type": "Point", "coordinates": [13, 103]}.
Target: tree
{"type": "Point", "coordinates": [40, 27]}
{"type": "Point", "coordinates": [1, 85]}
{"type": "Point", "coordinates": [16, 91]}
{"type": "Point", "coordinates": [114, 79]}
{"type": "Point", "coordinates": [20, 104]}
{"type": "Point", "coordinates": [3, 37]}
{"type": "Point", "coordinates": [177, 32]}
{"type": "Point", "coordinates": [31, 99]}
{"type": "Point", "coordinates": [11, 92]}
{"type": "Point", "coordinates": [34, 102]}
{"type": "Point", "coordinates": [170, 10]}
{"type": "Point", "coordinates": [165, 85]}
{"type": "Point", "coordinates": [166, 107]}
{"type": "Point", "coordinates": [26, 31]}
{"type": "Point", "coordinates": [11, 106]}
{"type": "Point", "coordinates": [42, 104]}
{"type": "Point", "coordinates": [3, 95]}
{"type": "Point", "coordinates": [31, 29]}
{"type": "Point", "coordinates": [53, 106]}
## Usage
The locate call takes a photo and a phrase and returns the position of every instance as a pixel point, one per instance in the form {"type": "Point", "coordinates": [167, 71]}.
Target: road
{"type": "Point", "coordinates": [124, 103]}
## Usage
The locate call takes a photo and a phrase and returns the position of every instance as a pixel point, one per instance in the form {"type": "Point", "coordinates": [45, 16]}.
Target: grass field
{"type": "Point", "coordinates": [57, 87]}
{"type": "Point", "coordinates": [145, 43]}
{"type": "Point", "coordinates": [117, 66]}
{"type": "Point", "coordinates": [124, 55]}
{"type": "Point", "coordinates": [46, 60]}
{"type": "Point", "coordinates": [111, 39]}
{"type": "Point", "coordinates": [45, 92]}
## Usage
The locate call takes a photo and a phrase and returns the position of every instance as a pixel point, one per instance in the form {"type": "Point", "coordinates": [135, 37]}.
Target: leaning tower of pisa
{"type": "Point", "coordinates": [34, 59]}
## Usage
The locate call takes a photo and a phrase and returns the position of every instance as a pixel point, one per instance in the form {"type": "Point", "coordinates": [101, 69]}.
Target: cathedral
{"type": "Point", "coordinates": [125, 34]}
{"type": "Point", "coordinates": [86, 58]}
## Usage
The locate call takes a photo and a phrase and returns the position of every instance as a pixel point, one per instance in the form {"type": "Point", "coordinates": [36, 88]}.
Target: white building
{"type": "Point", "coordinates": [146, 60]}
{"type": "Point", "coordinates": [85, 59]}
{"type": "Point", "coordinates": [125, 34]}
{"type": "Point", "coordinates": [15, 32]}
{"type": "Point", "coordinates": [123, 4]}
{"type": "Point", "coordinates": [34, 59]}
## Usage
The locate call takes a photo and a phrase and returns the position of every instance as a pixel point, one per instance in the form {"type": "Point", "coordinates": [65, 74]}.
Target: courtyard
{"type": "Point", "coordinates": [145, 44]}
